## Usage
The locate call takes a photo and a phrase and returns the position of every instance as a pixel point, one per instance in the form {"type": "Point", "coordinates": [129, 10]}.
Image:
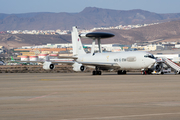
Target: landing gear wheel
{"type": "Point", "coordinates": [96, 73]}
{"type": "Point", "coordinates": [121, 72]}
{"type": "Point", "coordinates": [124, 72]}
{"type": "Point", "coordinates": [99, 72]}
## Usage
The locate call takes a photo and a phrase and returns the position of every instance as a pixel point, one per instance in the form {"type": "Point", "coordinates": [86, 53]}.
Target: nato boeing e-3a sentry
{"type": "Point", "coordinates": [119, 61]}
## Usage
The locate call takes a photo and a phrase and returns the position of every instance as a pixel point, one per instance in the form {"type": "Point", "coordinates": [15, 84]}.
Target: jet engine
{"type": "Point", "coordinates": [78, 67]}
{"type": "Point", "coordinates": [48, 66]}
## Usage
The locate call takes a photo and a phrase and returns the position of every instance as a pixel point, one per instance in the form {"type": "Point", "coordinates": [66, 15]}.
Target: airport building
{"type": "Point", "coordinates": [109, 47]}
{"type": "Point", "coordinates": [155, 46]}
{"type": "Point", "coordinates": [66, 49]}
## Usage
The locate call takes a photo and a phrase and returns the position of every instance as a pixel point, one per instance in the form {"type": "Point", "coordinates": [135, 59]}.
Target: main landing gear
{"type": "Point", "coordinates": [121, 72]}
{"type": "Point", "coordinates": [96, 72]}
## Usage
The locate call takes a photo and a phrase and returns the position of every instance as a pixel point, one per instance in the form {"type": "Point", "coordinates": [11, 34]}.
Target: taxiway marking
{"type": "Point", "coordinates": [41, 96]}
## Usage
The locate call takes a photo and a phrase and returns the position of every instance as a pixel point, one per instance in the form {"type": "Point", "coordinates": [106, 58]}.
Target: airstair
{"type": "Point", "coordinates": [170, 63]}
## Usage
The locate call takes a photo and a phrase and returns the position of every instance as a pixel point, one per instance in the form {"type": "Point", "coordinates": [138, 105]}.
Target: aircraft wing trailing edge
{"type": "Point", "coordinates": [68, 57]}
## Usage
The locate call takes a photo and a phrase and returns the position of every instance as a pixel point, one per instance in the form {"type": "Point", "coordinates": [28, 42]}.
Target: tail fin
{"type": "Point", "coordinates": [76, 41]}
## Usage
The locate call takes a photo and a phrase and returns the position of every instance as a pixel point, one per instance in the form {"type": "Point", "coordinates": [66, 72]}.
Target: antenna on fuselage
{"type": "Point", "coordinates": [96, 36]}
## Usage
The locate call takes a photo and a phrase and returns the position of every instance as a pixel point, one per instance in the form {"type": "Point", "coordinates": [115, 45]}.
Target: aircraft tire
{"type": "Point", "coordinates": [124, 72]}
{"type": "Point", "coordinates": [96, 73]}
{"type": "Point", "coordinates": [119, 72]}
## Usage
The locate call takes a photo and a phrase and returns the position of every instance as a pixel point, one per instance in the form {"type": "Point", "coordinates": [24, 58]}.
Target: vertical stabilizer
{"type": "Point", "coordinates": [76, 41]}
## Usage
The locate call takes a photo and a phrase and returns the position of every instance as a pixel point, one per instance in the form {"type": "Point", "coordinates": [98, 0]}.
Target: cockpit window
{"type": "Point", "coordinates": [149, 56]}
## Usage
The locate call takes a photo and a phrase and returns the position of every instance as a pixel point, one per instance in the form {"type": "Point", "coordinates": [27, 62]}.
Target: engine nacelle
{"type": "Point", "coordinates": [48, 66]}
{"type": "Point", "coordinates": [78, 67]}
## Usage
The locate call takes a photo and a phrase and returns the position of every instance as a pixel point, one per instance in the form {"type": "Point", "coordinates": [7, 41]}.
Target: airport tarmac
{"type": "Point", "coordinates": [81, 96]}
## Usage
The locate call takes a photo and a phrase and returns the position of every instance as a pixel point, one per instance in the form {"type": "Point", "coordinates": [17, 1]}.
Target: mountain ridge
{"type": "Point", "coordinates": [88, 18]}
{"type": "Point", "coordinates": [168, 31]}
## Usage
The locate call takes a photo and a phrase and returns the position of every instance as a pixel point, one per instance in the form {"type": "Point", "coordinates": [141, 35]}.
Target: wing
{"type": "Point", "coordinates": [102, 65]}
{"type": "Point", "coordinates": [68, 57]}
{"type": "Point", "coordinates": [63, 62]}
{"type": "Point", "coordinates": [70, 62]}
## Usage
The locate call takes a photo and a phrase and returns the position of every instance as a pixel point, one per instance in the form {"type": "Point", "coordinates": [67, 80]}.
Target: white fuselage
{"type": "Point", "coordinates": [125, 60]}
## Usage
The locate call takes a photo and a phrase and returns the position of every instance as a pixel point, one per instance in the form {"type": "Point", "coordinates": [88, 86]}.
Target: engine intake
{"type": "Point", "coordinates": [78, 67]}
{"type": "Point", "coordinates": [48, 66]}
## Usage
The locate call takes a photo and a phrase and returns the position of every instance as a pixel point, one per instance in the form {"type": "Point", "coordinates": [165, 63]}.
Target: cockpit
{"type": "Point", "coordinates": [149, 56]}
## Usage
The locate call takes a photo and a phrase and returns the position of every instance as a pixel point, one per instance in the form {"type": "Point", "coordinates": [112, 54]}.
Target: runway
{"type": "Point", "coordinates": [81, 96]}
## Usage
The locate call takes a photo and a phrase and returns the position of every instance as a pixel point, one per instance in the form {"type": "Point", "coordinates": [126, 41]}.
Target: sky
{"type": "Point", "coordinates": [75, 6]}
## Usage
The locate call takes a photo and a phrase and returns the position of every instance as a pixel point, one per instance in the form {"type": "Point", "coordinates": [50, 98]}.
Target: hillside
{"type": "Point", "coordinates": [90, 17]}
{"type": "Point", "coordinates": [18, 40]}
{"type": "Point", "coordinates": [169, 31]}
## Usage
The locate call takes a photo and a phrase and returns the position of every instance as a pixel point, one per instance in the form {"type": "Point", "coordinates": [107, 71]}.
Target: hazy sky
{"type": "Point", "coordinates": [73, 6]}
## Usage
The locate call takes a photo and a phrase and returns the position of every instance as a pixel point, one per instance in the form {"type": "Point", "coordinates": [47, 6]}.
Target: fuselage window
{"type": "Point", "coordinates": [131, 59]}
{"type": "Point", "coordinates": [149, 56]}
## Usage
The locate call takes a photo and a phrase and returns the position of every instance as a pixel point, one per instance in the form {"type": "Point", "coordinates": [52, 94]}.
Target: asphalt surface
{"type": "Point", "coordinates": [81, 96]}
